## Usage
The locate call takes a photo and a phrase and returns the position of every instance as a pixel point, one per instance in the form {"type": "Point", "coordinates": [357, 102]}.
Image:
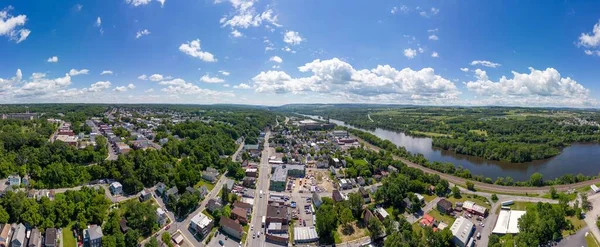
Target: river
{"type": "Point", "coordinates": [577, 158]}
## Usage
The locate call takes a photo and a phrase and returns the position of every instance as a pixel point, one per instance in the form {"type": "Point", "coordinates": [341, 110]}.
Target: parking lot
{"type": "Point", "coordinates": [303, 203]}
{"type": "Point", "coordinates": [476, 222]}
{"type": "Point", "coordinates": [226, 242]}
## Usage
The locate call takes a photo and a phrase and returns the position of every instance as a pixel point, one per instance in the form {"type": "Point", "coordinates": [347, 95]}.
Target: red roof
{"type": "Point", "coordinates": [427, 220]}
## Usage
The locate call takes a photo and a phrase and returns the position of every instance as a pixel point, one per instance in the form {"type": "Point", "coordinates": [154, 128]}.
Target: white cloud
{"type": "Point", "coordinates": [162, 3]}
{"type": "Point", "coordinates": [74, 72]}
{"type": "Point", "coordinates": [10, 25]}
{"type": "Point", "coordinates": [236, 34]}
{"type": "Point", "coordinates": [206, 78]}
{"type": "Point", "coordinates": [99, 86]}
{"type": "Point", "coordinates": [242, 86]}
{"type": "Point", "coordinates": [591, 40]}
{"type": "Point", "coordinates": [292, 38]}
{"type": "Point", "coordinates": [245, 15]}
{"type": "Point", "coordinates": [433, 37]}
{"type": "Point", "coordinates": [433, 30]}
{"type": "Point", "coordinates": [226, 85]}
{"type": "Point", "coordinates": [432, 12]}
{"type": "Point", "coordinates": [394, 10]}
{"type": "Point", "coordinates": [154, 77]}
{"type": "Point", "coordinates": [98, 24]}
{"type": "Point", "coordinates": [142, 33]}
{"type": "Point", "coordinates": [130, 86]}
{"type": "Point", "coordinates": [276, 66]}
{"type": "Point", "coordinates": [288, 49]}
{"type": "Point", "coordinates": [193, 49]}
{"type": "Point", "coordinates": [223, 72]}
{"type": "Point", "coordinates": [403, 9]}
{"type": "Point", "coordinates": [421, 50]}
{"type": "Point", "coordinates": [410, 53]}
{"type": "Point", "coordinates": [485, 63]}
{"type": "Point", "coordinates": [435, 54]}
{"type": "Point", "coordinates": [7, 84]}
{"type": "Point", "coordinates": [138, 2]}
{"type": "Point", "coordinates": [464, 69]}
{"type": "Point", "coordinates": [337, 77]}
{"type": "Point", "coordinates": [143, 77]}
{"type": "Point", "coordinates": [539, 86]}
{"type": "Point", "coordinates": [180, 87]}
{"type": "Point", "coordinates": [107, 72]}
{"type": "Point", "coordinates": [40, 85]}
{"type": "Point", "coordinates": [120, 89]}
{"type": "Point", "coordinates": [151, 90]}
{"type": "Point", "coordinates": [53, 59]}
{"type": "Point", "coordinates": [276, 59]}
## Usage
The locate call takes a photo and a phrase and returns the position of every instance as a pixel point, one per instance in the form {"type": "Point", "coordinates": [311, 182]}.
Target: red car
{"type": "Point", "coordinates": [168, 226]}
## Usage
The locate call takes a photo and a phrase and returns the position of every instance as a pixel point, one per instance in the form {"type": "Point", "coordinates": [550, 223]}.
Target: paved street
{"type": "Point", "coordinates": [575, 240]}
{"type": "Point", "coordinates": [260, 204]}
{"type": "Point", "coordinates": [592, 215]}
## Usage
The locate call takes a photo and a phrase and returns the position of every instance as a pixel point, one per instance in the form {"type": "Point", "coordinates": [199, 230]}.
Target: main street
{"type": "Point", "coordinates": [260, 204]}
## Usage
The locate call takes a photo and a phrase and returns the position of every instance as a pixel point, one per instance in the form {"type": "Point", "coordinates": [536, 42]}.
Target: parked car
{"type": "Point", "coordinates": [221, 242]}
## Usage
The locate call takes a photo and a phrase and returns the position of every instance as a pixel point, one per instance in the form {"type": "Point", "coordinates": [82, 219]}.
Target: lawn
{"type": "Point", "coordinates": [571, 196]}
{"type": "Point", "coordinates": [68, 238]}
{"type": "Point", "coordinates": [439, 217]}
{"type": "Point", "coordinates": [591, 241]}
{"type": "Point", "coordinates": [429, 198]}
{"type": "Point", "coordinates": [522, 205]}
{"type": "Point", "coordinates": [208, 185]}
{"type": "Point", "coordinates": [577, 224]}
{"type": "Point", "coordinates": [357, 233]}
{"type": "Point", "coordinates": [245, 235]}
{"type": "Point", "coordinates": [429, 134]}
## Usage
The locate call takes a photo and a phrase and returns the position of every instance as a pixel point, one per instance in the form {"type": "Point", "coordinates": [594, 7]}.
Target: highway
{"type": "Point", "coordinates": [260, 204]}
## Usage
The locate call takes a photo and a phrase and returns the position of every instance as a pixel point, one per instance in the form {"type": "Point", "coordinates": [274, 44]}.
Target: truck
{"type": "Point", "coordinates": [508, 203]}
{"type": "Point", "coordinates": [264, 220]}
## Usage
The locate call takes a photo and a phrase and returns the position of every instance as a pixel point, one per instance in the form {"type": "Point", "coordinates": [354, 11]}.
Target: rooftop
{"type": "Point", "coordinates": [279, 175]}
{"type": "Point", "coordinates": [201, 220]}
{"type": "Point", "coordinates": [461, 229]}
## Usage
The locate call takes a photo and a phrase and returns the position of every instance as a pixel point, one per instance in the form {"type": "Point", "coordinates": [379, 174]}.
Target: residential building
{"type": "Point", "coordinates": [444, 206]}
{"type": "Point", "coordinates": [18, 237]}
{"type": "Point", "coordinates": [251, 172]}
{"type": "Point", "coordinates": [278, 179]}
{"type": "Point", "coordinates": [427, 220]}
{"type": "Point", "coordinates": [145, 195]}
{"type": "Point", "coordinates": [381, 213]}
{"type": "Point", "coordinates": [462, 230]}
{"type": "Point", "coordinates": [210, 175]}
{"type": "Point", "coordinates": [365, 195]}
{"type": "Point", "coordinates": [161, 216]}
{"type": "Point", "coordinates": [214, 204]}
{"type": "Point", "coordinates": [93, 236]}
{"type": "Point", "coordinates": [35, 238]}
{"type": "Point", "coordinates": [203, 191]}
{"type": "Point", "coordinates": [171, 192]}
{"type": "Point", "coordinates": [420, 197]}
{"type": "Point", "coordinates": [368, 215]}
{"type": "Point", "coordinates": [243, 205]}
{"type": "Point", "coordinates": [5, 235]}
{"type": "Point", "coordinates": [345, 184]}
{"type": "Point", "coordinates": [160, 188]}
{"type": "Point", "coordinates": [123, 225]}
{"type": "Point", "coordinates": [360, 181]}
{"type": "Point", "coordinates": [316, 199]}
{"type": "Point", "coordinates": [392, 169]}
{"type": "Point", "coordinates": [14, 180]}
{"type": "Point", "coordinates": [337, 196]}
{"type": "Point", "coordinates": [50, 237]}
{"type": "Point", "coordinates": [201, 225]}
{"type": "Point", "coordinates": [249, 182]}
{"type": "Point", "coordinates": [116, 188]}
{"type": "Point", "coordinates": [231, 227]}
{"type": "Point", "coordinates": [240, 214]}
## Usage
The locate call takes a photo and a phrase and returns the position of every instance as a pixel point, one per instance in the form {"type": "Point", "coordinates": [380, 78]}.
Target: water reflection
{"type": "Point", "coordinates": [575, 159]}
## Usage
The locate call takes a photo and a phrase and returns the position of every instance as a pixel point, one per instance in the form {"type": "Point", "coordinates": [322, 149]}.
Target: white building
{"type": "Point", "coordinates": [508, 222]}
{"type": "Point", "coordinates": [116, 188]}
{"type": "Point", "coordinates": [201, 224]}
{"type": "Point", "coordinates": [161, 216]}
{"type": "Point", "coordinates": [594, 188]}
{"type": "Point", "coordinates": [462, 230]}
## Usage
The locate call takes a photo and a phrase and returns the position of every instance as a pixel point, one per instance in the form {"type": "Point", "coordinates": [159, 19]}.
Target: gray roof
{"type": "Point", "coordinates": [461, 229]}
{"type": "Point", "coordinates": [95, 232]}
{"type": "Point", "coordinates": [19, 234]}
{"type": "Point", "coordinates": [279, 175]}
{"type": "Point", "coordinates": [172, 191]}
{"type": "Point", "coordinates": [305, 234]}
{"type": "Point", "coordinates": [295, 167]}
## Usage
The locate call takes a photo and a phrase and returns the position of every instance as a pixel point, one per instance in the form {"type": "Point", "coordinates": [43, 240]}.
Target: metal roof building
{"type": "Point", "coordinates": [462, 230]}
{"type": "Point", "coordinates": [305, 235]}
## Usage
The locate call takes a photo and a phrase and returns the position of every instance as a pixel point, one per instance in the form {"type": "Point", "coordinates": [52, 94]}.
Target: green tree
{"type": "Point", "coordinates": [375, 228]}
{"type": "Point", "coordinates": [346, 217]}
{"type": "Point", "coordinates": [326, 223]}
{"type": "Point", "coordinates": [132, 237]}
{"type": "Point", "coordinates": [536, 179]}
{"type": "Point", "coordinates": [553, 193]}
{"type": "Point", "coordinates": [470, 185]}
{"type": "Point", "coordinates": [4, 217]}
{"type": "Point", "coordinates": [356, 202]}
{"type": "Point", "coordinates": [441, 188]}
{"type": "Point", "coordinates": [226, 211]}
{"type": "Point", "coordinates": [455, 192]}
{"type": "Point", "coordinates": [225, 194]}
{"type": "Point", "coordinates": [585, 203]}
{"type": "Point", "coordinates": [494, 197]}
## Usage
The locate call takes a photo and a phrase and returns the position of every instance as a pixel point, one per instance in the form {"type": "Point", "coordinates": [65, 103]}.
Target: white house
{"type": "Point", "coordinates": [116, 188]}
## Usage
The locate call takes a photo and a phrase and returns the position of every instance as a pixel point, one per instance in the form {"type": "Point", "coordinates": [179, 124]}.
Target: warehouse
{"type": "Point", "coordinates": [305, 235]}
{"type": "Point", "coordinates": [462, 230]}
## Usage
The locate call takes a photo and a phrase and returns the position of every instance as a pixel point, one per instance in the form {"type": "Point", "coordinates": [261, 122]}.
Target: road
{"type": "Point", "coordinates": [260, 204]}
{"type": "Point", "coordinates": [484, 186]}
{"type": "Point", "coordinates": [592, 215]}
{"type": "Point", "coordinates": [575, 240]}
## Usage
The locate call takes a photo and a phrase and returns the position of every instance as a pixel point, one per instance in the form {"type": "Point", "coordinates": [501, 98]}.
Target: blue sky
{"type": "Point", "coordinates": [311, 51]}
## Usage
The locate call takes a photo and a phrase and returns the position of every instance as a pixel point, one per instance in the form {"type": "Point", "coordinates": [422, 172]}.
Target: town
{"type": "Point", "coordinates": [301, 182]}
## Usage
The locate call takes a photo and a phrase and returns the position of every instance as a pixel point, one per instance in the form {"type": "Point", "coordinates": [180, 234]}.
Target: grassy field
{"type": "Point", "coordinates": [356, 234]}
{"type": "Point", "coordinates": [439, 217]}
{"type": "Point", "coordinates": [577, 224]}
{"type": "Point", "coordinates": [428, 198]}
{"type": "Point", "coordinates": [68, 238]}
{"type": "Point", "coordinates": [479, 132]}
{"type": "Point", "coordinates": [208, 185]}
{"type": "Point", "coordinates": [571, 196]}
{"type": "Point", "coordinates": [591, 241]}
{"type": "Point", "coordinates": [429, 134]}
{"type": "Point", "coordinates": [522, 205]}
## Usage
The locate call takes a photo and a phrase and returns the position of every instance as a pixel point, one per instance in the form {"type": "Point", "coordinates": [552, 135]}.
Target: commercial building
{"type": "Point", "coordinates": [462, 231]}
{"type": "Point", "coordinates": [339, 133]}
{"type": "Point", "coordinates": [277, 214]}
{"type": "Point", "coordinates": [278, 179]}
{"type": "Point", "coordinates": [295, 170]}
{"type": "Point", "coordinates": [305, 235]}
{"type": "Point", "coordinates": [508, 222]}
{"type": "Point", "coordinates": [201, 225]}
{"type": "Point", "coordinates": [594, 188]}
{"type": "Point", "coordinates": [473, 208]}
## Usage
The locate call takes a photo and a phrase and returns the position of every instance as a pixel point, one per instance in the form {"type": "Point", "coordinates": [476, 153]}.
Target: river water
{"type": "Point", "coordinates": [578, 158]}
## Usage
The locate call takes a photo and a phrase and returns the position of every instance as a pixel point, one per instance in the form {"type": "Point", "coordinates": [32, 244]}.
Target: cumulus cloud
{"type": "Point", "coordinates": [410, 53]}
{"type": "Point", "coordinates": [464, 69]}
{"type": "Point", "coordinates": [292, 38]}
{"type": "Point", "coordinates": [7, 84]}
{"type": "Point", "coordinates": [10, 26]}
{"type": "Point", "coordinates": [179, 86]}
{"type": "Point", "coordinates": [591, 41]}
{"type": "Point", "coordinates": [276, 59]}
{"type": "Point", "coordinates": [40, 85]}
{"type": "Point", "coordinates": [435, 54]}
{"type": "Point", "coordinates": [245, 15]}
{"type": "Point", "coordinates": [335, 76]}
{"type": "Point", "coordinates": [223, 72]}
{"type": "Point", "coordinates": [53, 59]}
{"type": "Point", "coordinates": [193, 49]}
{"type": "Point", "coordinates": [242, 86]}
{"type": "Point", "coordinates": [547, 87]}
{"type": "Point", "coordinates": [106, 72]}
{"type": "Point", "coordinates": [433, 37]}
{"type": "Point", "coordinates": [485, 63]}
{"type": "Point", "coordinates": [141, 33]}
{"type": "Point", "coordinates": [207, 79]}
{"type": "Point", "coordinates": [138, 2]}
{"type": "Point", "coordinates": [74, 72]}
{"type": "Point", "coordinates": [143, 77]}
{"type": "Point", "coordinates": [120, 89]}
{"type": "Point", "coordinates": [154, 77]}
{"type": "Point", "coordinates": [236, 34]}
{"type": "Point", "coordinates": [162, 3]}
{"type": "Point", "coordinates": [99, 86]}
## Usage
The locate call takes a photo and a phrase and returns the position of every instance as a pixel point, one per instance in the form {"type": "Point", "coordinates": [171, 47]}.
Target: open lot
{"type": "Point", "coordinates": [229, 242]}
{"type": "Point", "coordinates": [321, 178]}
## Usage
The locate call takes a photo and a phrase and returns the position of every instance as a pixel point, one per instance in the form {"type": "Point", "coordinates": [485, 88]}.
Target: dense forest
{"type": "Point", "coordinates": [495, 133]}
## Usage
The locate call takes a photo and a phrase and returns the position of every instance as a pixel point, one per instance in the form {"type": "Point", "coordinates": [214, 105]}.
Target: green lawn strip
{"type": "Point", "coordinates": [591, 240]}
{"type": "Point", "coordinates": [67, 237]}
{"type": "Point", "coordinates": [208, 185]}
{"type": "Point", "coordinates": [441, 218]}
